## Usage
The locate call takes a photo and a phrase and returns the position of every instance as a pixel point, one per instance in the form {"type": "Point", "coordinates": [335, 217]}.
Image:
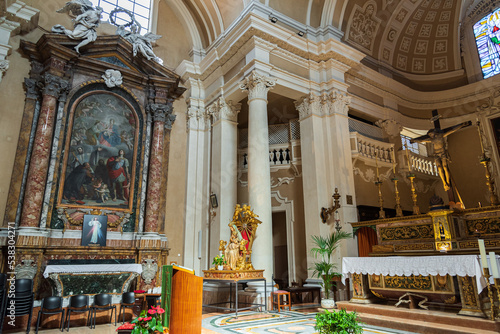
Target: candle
{"type": "Point", "coordinates": [494, 267]}
{"type": "Point", "coordinates": [482, 251]}
{"type": "Point", "coordinates": [393, 162]}
{"type": "Point", "coordinates": [408, 158]}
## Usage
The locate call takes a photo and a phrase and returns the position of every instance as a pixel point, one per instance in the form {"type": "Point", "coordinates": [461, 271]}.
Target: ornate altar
{"type": "Point", "coordinates": [95, 140]}
{"type": "Point", "coordinates": [439, 268]}
{"type": "Point", "coordinates": [238, 253]}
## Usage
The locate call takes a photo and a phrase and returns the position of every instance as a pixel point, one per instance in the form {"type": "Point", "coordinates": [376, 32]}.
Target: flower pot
{"type": "Point", "coordinates": [327, 303]}
{"type": "Point", "coordinates": [220, 267]}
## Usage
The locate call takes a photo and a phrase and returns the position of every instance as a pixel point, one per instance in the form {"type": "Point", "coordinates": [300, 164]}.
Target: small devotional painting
{"type": "Point", "coordinates": [99, 162]}
{"type": "Point", "coordinates": [94, 230]}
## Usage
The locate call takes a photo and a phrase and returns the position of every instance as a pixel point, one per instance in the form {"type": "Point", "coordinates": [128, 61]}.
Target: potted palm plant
{"type": "Point", "coordinates": [324, 268]}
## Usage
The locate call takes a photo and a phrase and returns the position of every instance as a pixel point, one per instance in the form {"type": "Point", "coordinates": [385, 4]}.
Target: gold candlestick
{"type": "Point", "coordinates": [399, 211]}
{"type": "Point", "coordinates": [381, 213]}
{"type": "Point", "coordinates": [486, 274]}
{"type": "Point", "coordinates": [416, 209]}
{"type": "Point", "coordinates": [411, 176]}
{"type": "Point", "coordinates": [497, 285]}
{"type": "Point", "coordinates": [485, 162]}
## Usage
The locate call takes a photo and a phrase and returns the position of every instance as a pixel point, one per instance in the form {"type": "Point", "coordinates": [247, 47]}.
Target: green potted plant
{"type": "Point", "coordinates": [324, 268]}
{"type": "Point", "coordinates": [338, 322]}
{"type": "Point", "coordinates": [219, 261]}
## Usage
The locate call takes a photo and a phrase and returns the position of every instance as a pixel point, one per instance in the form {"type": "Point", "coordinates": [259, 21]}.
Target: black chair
{"type": "Point", "coordinates": [128, 301]}
{"type": "Point", "coordinates": [102, 302]}
{"type": "Point", "coordinates": [78, 304]}
{"type": "Point", "coordinates": [22, 298]}
{"type": "Point", "coordinates": [51, 305]}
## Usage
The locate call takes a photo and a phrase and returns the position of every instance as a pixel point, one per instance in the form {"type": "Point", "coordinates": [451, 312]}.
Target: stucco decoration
{"type": "Point", "coordinates": [363, 26]}
{"type": "Point", "coordinates": [112, 78]}
{"type": "Point", "coordinates": [27, 269]}
{"type": "Point", "coordinates": [390, 127]}
{"type": "Point", "coordinates": [149, 269]}
{"type": "Point", "coordinates": [140, 43]}
{"type": "Point", "coordinates": [85, 23]}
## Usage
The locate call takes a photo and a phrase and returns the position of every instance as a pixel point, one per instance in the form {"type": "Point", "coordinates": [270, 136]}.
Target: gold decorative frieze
{"type": "Point", "coordinates": [408, 282]}
{"type": "Point", "coordinates": [489, 243]}
{"type": "Point", "coordinates": [357, 285]}
{"type": "Point", "coordinates": [468, 292]}
{"type": "Point", "coordinates": [406, 232]}
{"type": "Point", "coordinates": [410, 247]}
{"type": "Point", "coordinates": [485, 226]}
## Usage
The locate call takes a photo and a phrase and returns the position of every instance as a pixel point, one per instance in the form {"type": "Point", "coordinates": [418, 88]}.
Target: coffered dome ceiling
{"type": "Point", "coordinates": [415, 41]}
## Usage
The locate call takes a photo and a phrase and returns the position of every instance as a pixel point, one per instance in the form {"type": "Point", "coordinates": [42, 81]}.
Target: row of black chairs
{"type": "Point", "coordinates": [16, 302]}
{"type": "Point", "coordinates": [22, 298]}
{"type": "Point", "coordinates": [80, 304]}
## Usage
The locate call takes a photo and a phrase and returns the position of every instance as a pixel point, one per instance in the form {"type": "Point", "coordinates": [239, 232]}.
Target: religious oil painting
{"type": "Point", "coordinates": [94, 230]}
{"type": "Point", "coordinates": [99, 161]}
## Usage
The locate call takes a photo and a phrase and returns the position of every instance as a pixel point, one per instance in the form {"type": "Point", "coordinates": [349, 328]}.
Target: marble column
{"type": "Point", "coordinates": [197, 189]}
{"type": "Point", "coordinates": [13, 207]}
{"type": "Point", "coordinates": [224, 167]}
{"type": "Point", "coordinates": [51, 86]}
{"type": "Point", "coordinates": [160, 113]}
{"type": "Point", "coordinates": [259, 173]}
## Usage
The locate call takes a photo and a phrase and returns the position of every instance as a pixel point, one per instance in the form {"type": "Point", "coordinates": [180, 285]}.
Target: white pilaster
{"type": "Point", "coordinates": [224, 168]}
{"type": "Point", "coordinates": [259, 173]}
{"type": "Point", "coordinates": [314, 171]}
{"type": "Point", "coordinates": [197, 187]}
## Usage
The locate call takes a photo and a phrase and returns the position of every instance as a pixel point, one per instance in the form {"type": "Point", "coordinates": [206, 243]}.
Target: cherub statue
{"type": "Point", "coordinates": [140, 43]}
{"type": "Point", "coordinates": [222, 245]}
{"type": "Point", "coordinates": [85, 23]}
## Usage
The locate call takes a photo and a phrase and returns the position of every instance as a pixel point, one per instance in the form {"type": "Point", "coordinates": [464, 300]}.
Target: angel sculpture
{"type": "Point", "coordinates": [139, 42]}
{"type": "Point", "coordinates": [85, 23]}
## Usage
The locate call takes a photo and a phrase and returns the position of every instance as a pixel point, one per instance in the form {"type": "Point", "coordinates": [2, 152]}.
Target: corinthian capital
{"type": "Point", "coordinates": [257, 85]}
{"type": "Point", "coordinates": [308, 105]}
{"type": "Point", "coordinates": [53, 85]}
{"type": "Point", "coordinates": [221, 109]}
{"type": "Point", "coordinates": [162, 113]}
{"type": "Point", "coordinates": [338, 103]}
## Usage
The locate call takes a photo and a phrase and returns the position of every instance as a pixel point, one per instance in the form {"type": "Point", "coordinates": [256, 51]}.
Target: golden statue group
{"type": "Point", "coordinates": [237, 254]}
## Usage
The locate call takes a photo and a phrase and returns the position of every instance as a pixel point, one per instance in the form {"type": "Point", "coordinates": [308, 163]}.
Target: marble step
{"type": "Point", "coordinates": [435, 321]}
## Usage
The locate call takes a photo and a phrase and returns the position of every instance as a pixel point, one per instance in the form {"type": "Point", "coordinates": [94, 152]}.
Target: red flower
{"type": "Point", "coordinates": [148, 318]}
{"type": "Point", "coordinates": [151, 311]}
{"type": "Point", "coordinates": [160, 310]}
{"type": "Point", "coordinates": [139, 291]}
{"type": "Point", "coordinates": [140, 319]}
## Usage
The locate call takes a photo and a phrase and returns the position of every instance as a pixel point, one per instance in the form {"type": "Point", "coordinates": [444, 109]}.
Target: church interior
{"type": "Point", "coordinates": [174, 148]}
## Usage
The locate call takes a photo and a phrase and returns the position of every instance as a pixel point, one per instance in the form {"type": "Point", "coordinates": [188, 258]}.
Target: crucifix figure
{"type": "Point", "coordinates": [436, 137]}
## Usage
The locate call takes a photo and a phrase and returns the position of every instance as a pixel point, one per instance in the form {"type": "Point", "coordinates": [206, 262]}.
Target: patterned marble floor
{"type": "Point", "coordinates": [250, 322]}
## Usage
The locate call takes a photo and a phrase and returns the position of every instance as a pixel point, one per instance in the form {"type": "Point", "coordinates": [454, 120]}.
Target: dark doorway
{"type": "Point", "coordinates": [280, 249]}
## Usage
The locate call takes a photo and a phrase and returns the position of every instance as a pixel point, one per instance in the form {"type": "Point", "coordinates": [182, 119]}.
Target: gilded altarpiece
{"type": "Point", "coordinates": [88, 151]}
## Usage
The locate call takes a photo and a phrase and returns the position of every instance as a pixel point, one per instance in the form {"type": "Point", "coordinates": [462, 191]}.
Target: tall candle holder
{"type": "Point", "coordinates": [486, 274]}
{"type": "Point", "coordinates": [399, 210]}
{"type": "Point", "coordinates": [497, 285]}
{"type": "Point", "coordinates": [381, 213]}
{"type": "Point", "coordinates": [484, 160]}
{"type": "Point", "coordinates": [411, 176]}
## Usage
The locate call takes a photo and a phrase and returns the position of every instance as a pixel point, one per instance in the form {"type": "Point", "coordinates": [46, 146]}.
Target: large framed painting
{"type": "Point", "coordinates": [99, 161]}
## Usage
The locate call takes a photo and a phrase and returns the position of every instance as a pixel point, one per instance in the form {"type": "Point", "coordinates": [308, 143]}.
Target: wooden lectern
{"type": "Point", "coordinates": [181, 298]}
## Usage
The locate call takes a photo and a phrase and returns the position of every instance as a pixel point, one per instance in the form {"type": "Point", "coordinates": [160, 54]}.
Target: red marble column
{"type": "Point", "coordinates": [153, 199]}
{"type": "Point", "coordinates": [39, 162]}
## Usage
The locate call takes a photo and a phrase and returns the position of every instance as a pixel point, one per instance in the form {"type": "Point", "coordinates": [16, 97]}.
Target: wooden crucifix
{"type": "Point", "coordinates": [436, 137]}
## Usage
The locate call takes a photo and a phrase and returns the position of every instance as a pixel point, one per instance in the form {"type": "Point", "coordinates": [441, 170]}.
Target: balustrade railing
{"type": "Point", "coordinates": [421, 164]}
{"type": "Point", "coordinates": [365, 147]}
{"type": "Point", "coordinates": [279, 155]}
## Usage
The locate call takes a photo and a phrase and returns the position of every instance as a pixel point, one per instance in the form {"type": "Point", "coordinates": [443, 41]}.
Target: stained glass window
{"type": "Point", "coordinates": [487, 33]}
{"type": "Point", "coordinates": [140, 8]}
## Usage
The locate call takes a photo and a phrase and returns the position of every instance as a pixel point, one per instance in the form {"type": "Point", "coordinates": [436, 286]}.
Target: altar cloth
{"type": "Point", "coordinates": [92, 268]}
{"type": "Point", "coordinates": [454, 265]}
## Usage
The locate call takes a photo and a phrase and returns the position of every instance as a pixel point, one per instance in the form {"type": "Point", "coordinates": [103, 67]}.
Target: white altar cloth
{"type": "Point", "coordinates": [454, 265]}
{"type": "Point", "coordinates": [92, 268]}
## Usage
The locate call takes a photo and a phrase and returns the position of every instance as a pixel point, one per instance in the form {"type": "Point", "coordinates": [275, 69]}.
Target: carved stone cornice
{"type": "Point", "coordinates": [221, 109]}
{"type": "Point", "coordinates": [257, 86]}
{"type": "Point", "coordinates": [53, 85]}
